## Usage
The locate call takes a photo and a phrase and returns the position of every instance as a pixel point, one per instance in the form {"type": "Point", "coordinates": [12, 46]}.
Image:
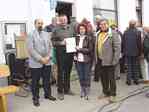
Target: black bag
{"type": "Point", "coordinates": [146, 47]}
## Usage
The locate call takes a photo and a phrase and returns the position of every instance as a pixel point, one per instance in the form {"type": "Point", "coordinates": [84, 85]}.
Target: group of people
{"type": "Point", "coordinates": [102, 48]}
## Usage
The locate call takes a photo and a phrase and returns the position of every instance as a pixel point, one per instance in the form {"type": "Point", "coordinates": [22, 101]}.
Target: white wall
{"type": "Point", "coordinates": [29, 10]}
{"type": "Point", "coordinates": [13, 9]}
{"type": "Point", "coordinates": [84, 9]}
{"type": "Point", "coordinates": [145, 12]}
{"type": "Point", "coordinates": [69, 1]}
{"type": "Point", "coordinates": [39, 9]}
{"type": "Point", "coordinates": [17, 10]}
{"type": "Point", "coordinates": [126, 12]}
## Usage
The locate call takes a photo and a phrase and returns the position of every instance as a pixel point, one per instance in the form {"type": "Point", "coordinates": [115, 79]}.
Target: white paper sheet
{"type": "Point", "coordinates": [70, 45]}
{"type": "Point", "coordinates": [80, 57]}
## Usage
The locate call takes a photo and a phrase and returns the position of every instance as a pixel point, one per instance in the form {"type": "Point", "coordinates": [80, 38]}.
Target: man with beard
{"type": "Point", "coordinates": [39, 49]}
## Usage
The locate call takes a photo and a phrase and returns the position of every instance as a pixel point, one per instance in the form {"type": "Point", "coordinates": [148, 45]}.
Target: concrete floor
{"type": "Point", "coordinates": [137, 103]}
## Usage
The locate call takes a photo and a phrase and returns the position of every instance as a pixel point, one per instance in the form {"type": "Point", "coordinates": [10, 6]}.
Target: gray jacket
{"type": "Point", "coordinates": [39, 45]}
{"type": "Point", "coordinates": [110, 51]}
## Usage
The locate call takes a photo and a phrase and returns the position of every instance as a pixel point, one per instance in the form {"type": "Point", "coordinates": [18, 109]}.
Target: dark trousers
{"type": "Point", "coordinates": [44, 73]}
{"type": "Point", "coordinates": [133, 68]}
{"type": "Point", "coordinates": [122, 65]}
{"type": "Point", "coordinates": [96, 73]}
{"type": "Point", "coordinates": [64, 64]}
{"type": "Point", "coordinates": [107, 79]}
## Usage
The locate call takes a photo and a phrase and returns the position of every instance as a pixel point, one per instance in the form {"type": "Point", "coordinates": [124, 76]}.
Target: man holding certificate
{"type": "Point", "coordinates": [64, 57]}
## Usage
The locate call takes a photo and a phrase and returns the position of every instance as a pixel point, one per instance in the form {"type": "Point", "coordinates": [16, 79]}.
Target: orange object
{"type": "Point", "coordinates": [8, 90]}
{"type": "Point", "coordinates": [3, 96]}
{"type": "Point", "coordinates": [4, 71]}
{"type": "Point", "coordinates": [3, 103]}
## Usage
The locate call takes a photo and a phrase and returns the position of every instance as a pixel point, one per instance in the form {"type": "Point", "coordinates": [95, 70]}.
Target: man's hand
{"type": "Point", "coordinates": [63, 42]}
{"type": "Point", "coordinates": [77, 48]}
{"type": "Point", "coordinates": [44, 60]}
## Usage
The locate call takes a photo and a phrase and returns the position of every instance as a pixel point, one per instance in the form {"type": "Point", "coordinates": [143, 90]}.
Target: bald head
{"type": "Point", "coordinates": [132, 24]}
{"type": "Point", "coordinates": [38, 24]}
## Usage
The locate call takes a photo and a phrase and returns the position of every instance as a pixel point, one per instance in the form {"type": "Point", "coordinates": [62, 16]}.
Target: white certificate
{"type": "Point", "coordinates": [70, 45]}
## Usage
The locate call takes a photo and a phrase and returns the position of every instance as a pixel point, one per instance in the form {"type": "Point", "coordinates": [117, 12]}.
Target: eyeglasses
{"type": "Point", "coordinates": [39, 23]}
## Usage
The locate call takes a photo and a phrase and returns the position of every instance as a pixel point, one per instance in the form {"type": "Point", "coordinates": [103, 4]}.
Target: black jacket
{"type": "Point", "coordinates": [131, 42]}
{"type": "Point", "coordinates": [146, 47]}
{"type": "Point", "coordinates": [87, 50]}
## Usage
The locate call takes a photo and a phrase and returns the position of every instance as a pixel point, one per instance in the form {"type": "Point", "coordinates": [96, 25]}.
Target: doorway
{"type": "Point", "coordinates": [64, 8]}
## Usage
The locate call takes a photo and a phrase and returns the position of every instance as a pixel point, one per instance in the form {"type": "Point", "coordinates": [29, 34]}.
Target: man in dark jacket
{"type": "Point", "coordinates": [50, 27]}
{"type": "Point", "coordinates": [131, 48]}
{"type": "Point", "coordinates": [64, 60]}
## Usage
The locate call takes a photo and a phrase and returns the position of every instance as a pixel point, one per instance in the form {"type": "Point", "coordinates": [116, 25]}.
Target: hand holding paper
{"type": "Point", "coordinates": [70, 45]}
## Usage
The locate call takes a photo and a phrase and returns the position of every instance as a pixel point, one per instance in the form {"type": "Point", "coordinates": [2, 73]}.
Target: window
{"type": "Point", "coordinates": [106, 9]}
{"type": "Point", "coordinates": [10, 30]}
{"type": "Point", "coordinates": [104, 4]}
{"type": "Point", "coordinates": [18, 27]}
{"type": "Point", "coordinates": [105, 14]}
{"type": "Point", "coordinates": [139, 10]}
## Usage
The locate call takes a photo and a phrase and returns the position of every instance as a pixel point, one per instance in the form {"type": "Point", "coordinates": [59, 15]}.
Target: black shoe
{"type": "Point", "coordinates": [117, 78]}
{"type": "Point", "coordinates": [136, 82]}
{"type": "Point", "coordinates": [36, 103]}
{"type": "Point", "coordinates": [86, 98]}
{"type": "Point", "coordinates": [50, 98]}
{"type": "Point", "coordinates": [128, 83]}
{"type": "Point", "coordinates": [96, 80]}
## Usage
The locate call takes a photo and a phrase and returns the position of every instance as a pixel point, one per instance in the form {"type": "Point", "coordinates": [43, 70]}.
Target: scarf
{"type": "Point", "coordinates": [102, 37]}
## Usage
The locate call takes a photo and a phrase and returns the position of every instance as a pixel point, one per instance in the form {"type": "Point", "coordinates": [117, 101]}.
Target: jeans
{"type": "Point", "coordinates": [83, 70]}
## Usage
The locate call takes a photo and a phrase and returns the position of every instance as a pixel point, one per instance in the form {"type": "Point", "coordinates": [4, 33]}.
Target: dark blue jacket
{"type": "Point", "coordinates": [131, 42]}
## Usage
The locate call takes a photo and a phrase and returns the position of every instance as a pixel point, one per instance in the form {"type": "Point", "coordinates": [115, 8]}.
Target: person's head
{"type": "Point", "coordinates": [88, 25]}
{"type": "Point", "coordinates": [54, 21]}
{"type": "Point", "coordinates": [146, 29]}
{"type": "Point", "coordinates": [38, 24]}
{"type": "Point", "coordinates": [114, 27]}
{"type": "Point", "coordinates": [97, 19]}
{"type": "Point", "coordinates": [104, 25]}
{"type": "Point", "coordinates": [132, 24]}
{"type": "Point", "coordinates": [63, 20]}
{"type": "Point", "coordinates": [82, 29]}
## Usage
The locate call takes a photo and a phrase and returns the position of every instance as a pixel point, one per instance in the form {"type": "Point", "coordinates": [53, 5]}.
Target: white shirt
{"type": "Point", "coordinates": [80, 55]}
